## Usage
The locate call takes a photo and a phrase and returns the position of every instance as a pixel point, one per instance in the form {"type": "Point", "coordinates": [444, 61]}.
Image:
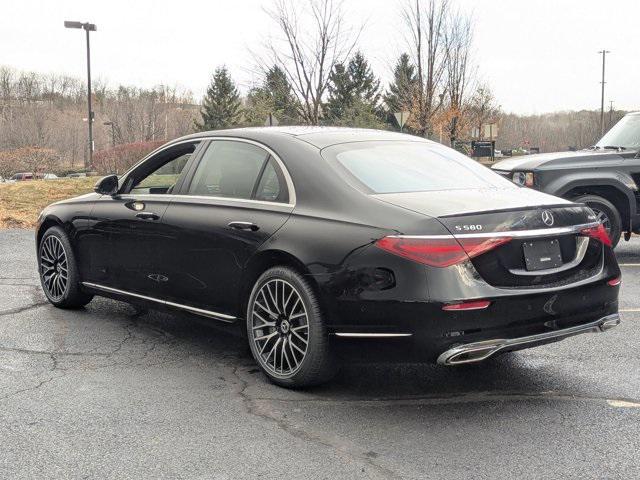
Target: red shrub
{"type": "Point", "coordinates": [119, 159]}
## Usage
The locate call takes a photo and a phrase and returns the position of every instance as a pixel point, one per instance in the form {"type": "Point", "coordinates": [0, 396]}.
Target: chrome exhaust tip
{"type": "Point", "coordinates": [470, 353]}
{"type": "Point", "coordinates": [479, 351]}
{"type": "Point", "coordinates": [611, 322]}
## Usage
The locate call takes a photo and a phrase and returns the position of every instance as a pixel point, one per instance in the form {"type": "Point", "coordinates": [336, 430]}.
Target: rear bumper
{"type": "Point", "coordinates": [422, 331]}
{"type": "Point", "coordinates": [478, 351]}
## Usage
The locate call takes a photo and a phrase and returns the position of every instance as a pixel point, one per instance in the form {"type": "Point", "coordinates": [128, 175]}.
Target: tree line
{"type": "Point", "coordinates": [313, 74]}
{"type": "Point", "coordinates": [43, 119]}
{"type": "Point", "coordinates": [310, 71]}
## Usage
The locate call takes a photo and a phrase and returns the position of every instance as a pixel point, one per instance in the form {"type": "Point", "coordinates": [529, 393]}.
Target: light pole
{"type": "Point", "coordinates": [87, 27]}
{"type": "Point", "coordinates": [604, 54]}
{"type": "Point", "coordinates": [113, 132]}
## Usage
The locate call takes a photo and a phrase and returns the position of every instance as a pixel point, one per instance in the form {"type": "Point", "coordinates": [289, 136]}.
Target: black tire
{"type": "Point", "coordinates": [67, 292]}
{"type": "Point", "coordinates": [317, 364]}
{"type": "Point", "coordinates": [602, 206]}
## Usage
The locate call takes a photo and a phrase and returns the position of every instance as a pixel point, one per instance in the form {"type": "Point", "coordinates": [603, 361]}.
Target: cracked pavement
{"type": "Point", "coordinates": [111, 392]}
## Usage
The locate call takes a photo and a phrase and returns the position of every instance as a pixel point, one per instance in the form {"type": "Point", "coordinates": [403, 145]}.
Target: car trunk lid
{"type": "Point", "coordinates": [546, 237]}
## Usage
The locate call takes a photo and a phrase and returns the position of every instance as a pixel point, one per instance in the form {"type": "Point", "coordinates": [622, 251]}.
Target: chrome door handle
{"type": "Point", "coordinates": [147, 216]}
{"type": "Point", "coordinates": [244, 226]}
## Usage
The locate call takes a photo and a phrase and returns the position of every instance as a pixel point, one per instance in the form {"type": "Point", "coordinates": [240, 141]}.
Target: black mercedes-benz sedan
{"type": "Point", "coordinates": [307, 237]}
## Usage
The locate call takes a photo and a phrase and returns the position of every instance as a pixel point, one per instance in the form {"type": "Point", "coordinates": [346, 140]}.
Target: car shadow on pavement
{"type": "Point", "coordinates": [516, 373]}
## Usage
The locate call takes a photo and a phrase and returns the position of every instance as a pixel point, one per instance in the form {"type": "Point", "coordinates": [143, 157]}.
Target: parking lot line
{"type": "Point", "coordinates": [629, 310]}
{"type": "Point", "coordinates": [623, 404]}
{"type": "Point", "coordinates": [629, 264]}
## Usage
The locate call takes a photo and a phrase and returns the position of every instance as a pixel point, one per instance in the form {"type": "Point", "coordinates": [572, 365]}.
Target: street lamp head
{"type": "Point", "coordinates": [91, 27]}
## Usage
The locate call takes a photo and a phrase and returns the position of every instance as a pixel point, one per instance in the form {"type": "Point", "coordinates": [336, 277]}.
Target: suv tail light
{"type": "Point", "coordinates": [599, 233]}
{"type": "Point", "coordinates": [439, 251]}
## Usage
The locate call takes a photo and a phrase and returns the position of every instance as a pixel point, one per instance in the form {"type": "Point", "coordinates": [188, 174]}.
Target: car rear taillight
{"type": "Point", "coordinates": [599, 233]}
{"type": "Point", "coordinates": [614, 282]}
{"type": "Point", "coordinates": [439, 251]}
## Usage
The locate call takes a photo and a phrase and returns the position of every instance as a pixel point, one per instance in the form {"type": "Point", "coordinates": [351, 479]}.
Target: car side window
{"type": "Point", "coordinates": [228, 169]}
{"type": "Point", "coordinates": [160, 174]}
{"type": "Point", "coordinates": [272, 186]}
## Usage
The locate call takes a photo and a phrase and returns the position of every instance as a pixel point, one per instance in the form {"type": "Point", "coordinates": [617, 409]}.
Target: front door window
{"type": "Point", "coordinates": [160, 174]}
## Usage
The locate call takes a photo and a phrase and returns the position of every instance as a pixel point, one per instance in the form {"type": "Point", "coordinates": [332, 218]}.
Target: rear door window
{"type": "Point", "coordinates": [272, 186]}
{"type": "Point", "coordinates": [228, 169]}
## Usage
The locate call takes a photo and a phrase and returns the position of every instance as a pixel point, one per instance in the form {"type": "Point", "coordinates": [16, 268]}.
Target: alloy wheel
{"type": "Point", "coordinates": [604, 219]}
{"type": "Point", "coordinates": [54, 268]}
{"type": "Point", "coordinates": [280, 328]}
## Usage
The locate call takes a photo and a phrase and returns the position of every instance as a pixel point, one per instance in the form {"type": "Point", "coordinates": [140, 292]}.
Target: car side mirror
{"type": "Point", "coordinates": [107, 185]}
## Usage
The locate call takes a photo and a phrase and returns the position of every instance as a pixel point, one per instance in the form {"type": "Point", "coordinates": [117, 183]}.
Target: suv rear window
{"type": "Point", "coordinates": [393, 167]}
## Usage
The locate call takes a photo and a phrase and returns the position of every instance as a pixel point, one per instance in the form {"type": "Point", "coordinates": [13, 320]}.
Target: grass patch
{"type": "Point", "coordinates": [21, 202]}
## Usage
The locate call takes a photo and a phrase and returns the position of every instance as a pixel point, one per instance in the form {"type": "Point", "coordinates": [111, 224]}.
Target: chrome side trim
{"type": "Point", "coordinates": [199, 311]}
{"type": "Point", "coordinates": [581, 249]}
{"type": "Point", "coordinates": [232, 200]}
{"type": "Point", "coordinates": [478, 351]}
{"type": "Point", "coordinates": [542, 232]}
{"type": "Point", "coordinates": [241, 202]}
{"type": "Point", "coordinates": [371, 335]}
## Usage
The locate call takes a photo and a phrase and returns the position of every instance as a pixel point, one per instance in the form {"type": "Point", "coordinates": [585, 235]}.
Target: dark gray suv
{"type": "Point", "coordinates": [605, 176]}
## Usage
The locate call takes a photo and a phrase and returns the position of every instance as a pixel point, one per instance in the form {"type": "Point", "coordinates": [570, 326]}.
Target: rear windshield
{"type": "Point", "coordinates": [392, 167]}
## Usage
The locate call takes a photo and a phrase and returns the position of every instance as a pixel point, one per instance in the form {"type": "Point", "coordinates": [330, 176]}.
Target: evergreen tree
{"type": "Point", "coordinates": [354, 95]}
{"type": "Point", "coordinates": [364, 84]}
{"type": "Point", "coordinates": [401, 91]}
{"type": "Point", "coordinates": [275, 96]}
{"type": "Point", "coordinates": [285, 103]}
{"type": "Point", "coordinates": [340, 93]}
{"type": "Point", "coordinates": [221, 106]}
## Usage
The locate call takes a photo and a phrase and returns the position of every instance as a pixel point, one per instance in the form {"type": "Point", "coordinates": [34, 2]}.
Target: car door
{"type": "Point", "coordinates": [128, 234]}
{"type": "Point", "coordinates": [238, 196]}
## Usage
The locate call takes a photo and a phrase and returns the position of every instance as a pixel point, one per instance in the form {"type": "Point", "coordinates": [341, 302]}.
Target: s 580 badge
{"type": "Point", "coordinates": [468, 228]}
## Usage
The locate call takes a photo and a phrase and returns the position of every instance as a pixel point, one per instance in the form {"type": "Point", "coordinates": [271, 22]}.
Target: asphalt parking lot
{"type": "Point", "coordinates": [108, 392]}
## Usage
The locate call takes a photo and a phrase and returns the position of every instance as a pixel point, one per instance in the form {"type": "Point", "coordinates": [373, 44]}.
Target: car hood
{"type": "Point", "coordinates": [556, 159]}
{"type": "Point", "coordinates": [443, 203]}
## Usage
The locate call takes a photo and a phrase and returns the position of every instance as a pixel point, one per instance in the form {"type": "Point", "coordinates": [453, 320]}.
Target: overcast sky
{"type": "Point", "coordinates": [537, 55]}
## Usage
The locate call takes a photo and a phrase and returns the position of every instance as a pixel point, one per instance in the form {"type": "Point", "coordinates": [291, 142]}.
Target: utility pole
{"type": "Point", "coordinates": [610, 112]}
{"type": "Point", "coordinates": [604, 55]}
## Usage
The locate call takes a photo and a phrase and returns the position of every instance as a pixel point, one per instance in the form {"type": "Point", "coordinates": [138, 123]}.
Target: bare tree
{"type": "Point", "coordinates": [483, 107]}
{"type": "Point", "coordinates": [313, 39]}
{"type": "Point", "coordinates": [459, 70]}
{"type": "Point", "coordinates": [426, 22]}
{"type": "Point", "coordinates": [44, 113]}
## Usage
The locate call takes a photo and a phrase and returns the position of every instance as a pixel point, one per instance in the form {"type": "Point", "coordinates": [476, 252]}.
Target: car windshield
{"type": "Point", "coordinates": [625, 134]}
{"type": "Point", "coordinates": [392, 167]}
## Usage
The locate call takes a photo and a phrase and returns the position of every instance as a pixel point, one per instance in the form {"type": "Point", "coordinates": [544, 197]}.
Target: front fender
{"type": "Point", "coordinates": [622, 182]}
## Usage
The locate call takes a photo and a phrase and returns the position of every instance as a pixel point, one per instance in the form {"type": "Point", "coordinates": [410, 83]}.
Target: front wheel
{"type": "Point", "coordinates": [606, 213]}
{"type": "Point", "coordinates": [286, 332]}
{"type": "Point", "coordinates": [59, 271]}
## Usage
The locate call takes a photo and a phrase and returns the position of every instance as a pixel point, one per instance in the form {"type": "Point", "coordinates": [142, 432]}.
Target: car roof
{"type": "Point", "coordinates": [319, 137]}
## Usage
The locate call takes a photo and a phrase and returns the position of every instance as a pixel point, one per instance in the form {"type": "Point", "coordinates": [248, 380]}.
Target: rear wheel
{"type": "Point", "coordinates": [286, 332]}
{"type": "Point", "coordinates": [59, 272]}
{"type": "Point", "coordinates": [607, 214]}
